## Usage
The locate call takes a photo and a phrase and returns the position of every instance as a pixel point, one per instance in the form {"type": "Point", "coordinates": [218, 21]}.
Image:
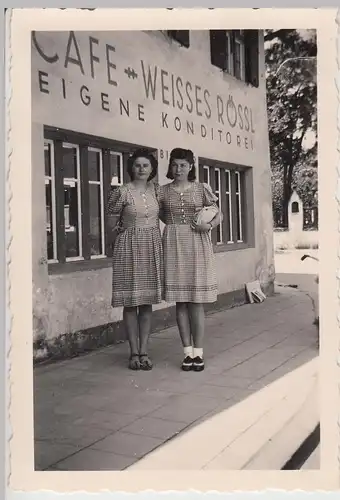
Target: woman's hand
{"type": "Point", "coordinates": [201, 228]}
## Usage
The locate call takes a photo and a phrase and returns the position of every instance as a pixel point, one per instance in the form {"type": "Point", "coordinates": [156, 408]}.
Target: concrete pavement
{"type": "Point", "coordinates": [92, 413]}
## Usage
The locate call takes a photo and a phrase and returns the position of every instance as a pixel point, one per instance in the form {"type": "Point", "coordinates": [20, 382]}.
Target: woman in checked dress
{"type": "Point", "coordinates": [190, 276]}
{"type": "Point", "coordinates": [137, 262]}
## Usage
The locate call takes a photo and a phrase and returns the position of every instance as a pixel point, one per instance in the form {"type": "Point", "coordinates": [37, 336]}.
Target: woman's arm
{"type": "Point", "coordinates": [114, 210]}
{"type": "Point", "coordinates": [209, 225]}
{"type": "Point", "coordinates": [113, 228]}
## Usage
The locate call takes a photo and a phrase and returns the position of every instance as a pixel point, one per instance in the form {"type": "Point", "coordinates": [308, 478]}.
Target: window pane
{"type": "Point", "coordinates": [206, 175]}
{"type": "Point", "coordinates": [228, 52]}
{"type": "Point", "coordinates": [228, 220]}
{"type": "Point", "coordinates": [237, 187]}
{"type": "Point", "coordinates": [94, 165]}
{"type": "Point", "coordinates": [227, 180]}
{"type": "Point", "coordinates": [217, 180]}
{"type": "Point", "coordinates": [115, 168]}
{"type": "Point", "coordinates": [49, 220]}
{"type": "Point", "coordinates": [219, 235]}
{"type": "Point", "coordinates": [238, 218]}
{"type": "Point", "coordinates": [95, 220]}
{"type": "Point", "coordinates": [237, 69]}
{"type": "Point", "coordinates": [219, 227]}
{"type": "Point", "coordinates": [47, 153]}
{"type": "Point", "coordinates": [71, 220]}
{"type": "Point", "coordinates": [70, 162]}
{"type": "Point", "coordinates": [239, 231]}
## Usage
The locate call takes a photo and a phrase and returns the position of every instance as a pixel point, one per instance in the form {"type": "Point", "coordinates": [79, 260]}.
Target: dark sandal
{"type": "Point", "coordinates": [145, 362]}
{"type": "Point", "coordinates": [134, 363]}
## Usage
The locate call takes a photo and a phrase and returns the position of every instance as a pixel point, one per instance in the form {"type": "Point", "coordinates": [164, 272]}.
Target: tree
{"type": "Point", "coordinates": [292, 115]}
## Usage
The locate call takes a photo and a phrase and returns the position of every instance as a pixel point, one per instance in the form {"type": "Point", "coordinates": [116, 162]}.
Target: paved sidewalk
{"type": "Point", "coordinates": [92, 413]}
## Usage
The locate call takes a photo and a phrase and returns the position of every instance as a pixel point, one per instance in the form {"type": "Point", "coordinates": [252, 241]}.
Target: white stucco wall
{"type": "Point", "coordinates": [73, 301]}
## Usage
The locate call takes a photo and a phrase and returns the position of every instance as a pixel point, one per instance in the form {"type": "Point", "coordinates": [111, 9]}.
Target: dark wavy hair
{"type": "Point", "coordinates": [142, 153]}
{"type": "Point", "coordinates": [182, 154]}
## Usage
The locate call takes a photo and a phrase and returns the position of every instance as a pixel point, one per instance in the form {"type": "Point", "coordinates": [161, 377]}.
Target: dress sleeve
{"type": "Point", "coordinates": [209, 198]}
{"type": "Point", "coordinates": [115, 202]}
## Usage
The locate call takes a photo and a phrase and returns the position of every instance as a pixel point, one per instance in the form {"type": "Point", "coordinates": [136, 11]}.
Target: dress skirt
{"type": "Point", "coordinates": [137, 267]}
{"type": "Point", "coordinates": [189, 265]}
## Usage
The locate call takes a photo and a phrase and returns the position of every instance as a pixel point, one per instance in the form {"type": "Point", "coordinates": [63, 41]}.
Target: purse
{"type": "Point", "coordinates": [206, 214]}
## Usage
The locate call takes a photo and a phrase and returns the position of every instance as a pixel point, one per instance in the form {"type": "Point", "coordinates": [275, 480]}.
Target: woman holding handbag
{"type": "Point", "coordinates": [137, 262]}
{"type": "Point", "coordinates": [190, 276]}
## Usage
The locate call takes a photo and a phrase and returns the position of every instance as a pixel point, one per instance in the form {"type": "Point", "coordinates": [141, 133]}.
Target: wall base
{"type": "Point", "coordinates": [70, 345]}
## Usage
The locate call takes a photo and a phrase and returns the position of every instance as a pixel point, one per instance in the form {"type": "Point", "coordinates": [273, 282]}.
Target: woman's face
{"type": "Point", "coordinates": [180, 169]}
{"type": "Point", "coordinates": [141, 169]}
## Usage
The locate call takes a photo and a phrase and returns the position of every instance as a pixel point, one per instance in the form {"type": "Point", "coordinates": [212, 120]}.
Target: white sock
{"type": "Point", "coordinates": [198, 352]}
{"type": "Point", "coordinates": [188, 351]}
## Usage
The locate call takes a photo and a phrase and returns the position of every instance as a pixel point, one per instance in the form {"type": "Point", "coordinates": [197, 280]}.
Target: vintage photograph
{"type": "Point", "coordinates": [175, 250]}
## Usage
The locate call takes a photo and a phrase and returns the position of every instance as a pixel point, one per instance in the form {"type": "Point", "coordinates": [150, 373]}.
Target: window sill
{"type": "Point", "coordinates": [79, 265]}
{"type": "Point", "coordinates": [94, 264]}
{"type": "Point", "coordinates": [231, 247]}
{"type": "Point", "coordinates": [226, 75]}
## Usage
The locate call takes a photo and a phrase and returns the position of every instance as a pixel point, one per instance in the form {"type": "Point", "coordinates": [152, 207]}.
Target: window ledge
{"type": "Point", "coordinates": [231, 247]}
{"type": "Point", "coordinates": [79, 265]}
{"type": "Point", "coordinates": [94, 264]}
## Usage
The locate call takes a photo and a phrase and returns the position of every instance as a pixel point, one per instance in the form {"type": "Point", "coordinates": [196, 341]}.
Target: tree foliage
{"type": "Point", "coordinates": [292, 115]}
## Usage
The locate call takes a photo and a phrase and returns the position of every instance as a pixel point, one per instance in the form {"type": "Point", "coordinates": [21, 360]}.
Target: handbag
{"type": "Point", "coordinates": [206, 214]}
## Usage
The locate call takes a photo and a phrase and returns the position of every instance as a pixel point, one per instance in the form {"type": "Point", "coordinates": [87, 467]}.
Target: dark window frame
{"type": "Point", "coordinates": [219, 55]}
{"type": "Point", "coordinates": [180, 36]}
{"type": "Point", "coordinates": [84, 141]}
{"type": "Point", "coordinates": [247, 203]}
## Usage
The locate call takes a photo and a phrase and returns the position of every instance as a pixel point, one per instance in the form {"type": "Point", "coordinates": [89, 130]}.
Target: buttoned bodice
{"type": "Point", "coordinates": [135, 208]}
{"type": "Point", "coordinates": [180, 207]}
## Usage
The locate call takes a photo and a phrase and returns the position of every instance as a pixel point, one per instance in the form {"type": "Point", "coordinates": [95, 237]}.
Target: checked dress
{"type": "Point", "coordinates": [137, 262]}
{"type": "Point", "coordinates": [189, 263]}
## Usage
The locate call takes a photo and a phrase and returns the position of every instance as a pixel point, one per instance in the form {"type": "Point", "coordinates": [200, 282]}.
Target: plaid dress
{"type": "Point", "coordinates": [137, 262]}
{"type": "Point", "coordinates": [189, 263]}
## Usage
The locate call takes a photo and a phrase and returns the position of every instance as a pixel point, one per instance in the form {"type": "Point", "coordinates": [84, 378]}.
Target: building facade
{"type": "Point", "coordinates": [96, 96]}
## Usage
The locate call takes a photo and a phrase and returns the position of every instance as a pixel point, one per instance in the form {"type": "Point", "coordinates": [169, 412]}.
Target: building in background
{"type": "Point", "coordinates": [96, 96]}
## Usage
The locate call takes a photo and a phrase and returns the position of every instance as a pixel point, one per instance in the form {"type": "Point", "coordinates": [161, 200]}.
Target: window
{"type": "Point", "coordinates": [181, 36]}
{"type": "Point", "coordinates": [295, 207]}
{"type": "Point", "coordinates": [80, 170]}
{"type": "Point", "coordinates": [239, 49]}
{"type": "Point", "coordinates": [218, 193]}
{"type": "Point", "coordinates": [236, 52]}
{"type": "Point", "coordinates": [96, 202]}
{"type": "Point", "coordinates": [238, 194]}
{"type": "Point", "coordinates": [50, 202]}
{"type": "Point", "coordinates": [232, 184]}
{"type": "Point", "coordinates": [72, 201]}
{"type": "Point", "coordinates": [116, 168]}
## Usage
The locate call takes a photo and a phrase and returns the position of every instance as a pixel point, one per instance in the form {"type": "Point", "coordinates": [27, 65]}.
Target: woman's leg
{"type": "Point", "coordinates": [131, 324]}
{"type": "Point", "coordinates": [197, 316]}
{"type": "Point", "coordinates": [183, 323]}
{"type": "Point", "coordinates": [144, 322]}
{"type": "Point", "coordinates": [182, 316]}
